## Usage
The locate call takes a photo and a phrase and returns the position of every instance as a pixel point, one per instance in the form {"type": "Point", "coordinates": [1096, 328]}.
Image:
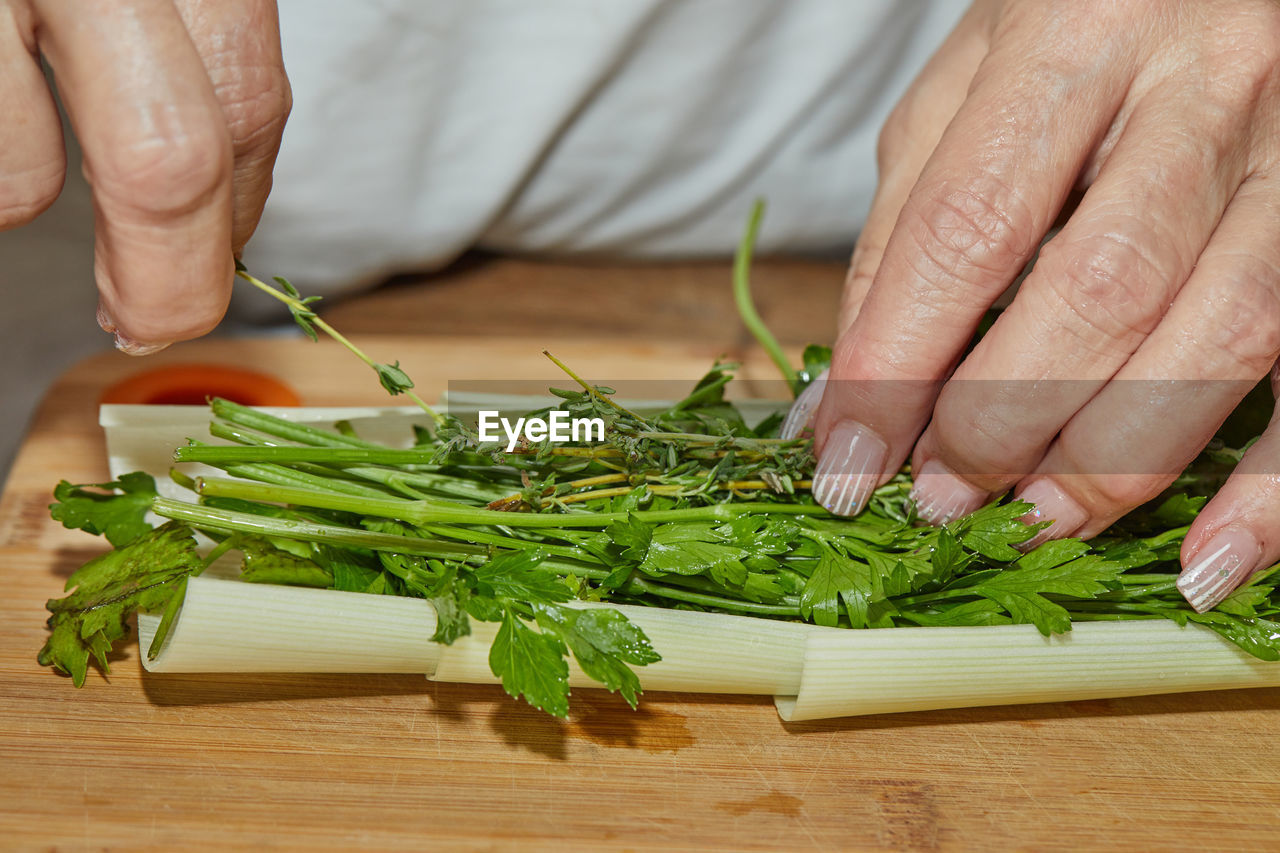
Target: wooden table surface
{"type": "Point", "coordinates": [369, 762]}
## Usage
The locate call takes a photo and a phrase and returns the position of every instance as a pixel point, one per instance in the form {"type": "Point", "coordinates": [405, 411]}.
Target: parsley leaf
{"type": "Point", "coordinates": [993, 530]}
{"type": "Point", "coordinates": [120, 517]}
{"type": "Point", "coordinates": [603, 642]}
{"type": "Point", "coordinates": [142, 575]}
{"type": "Point", "coordinates": [837, 579]}
{"type": "Point", "coordinates": [531, 664]}
{"type": "Point", "coordinates": [519, 576]}
{"type": "Point", "coordinates": [1257, 636]}
{"type": "Point", "coordinates": [1179, 509]}
{"type": "Point", "coordinates": [265, 563]}
{"type": "Point", "coordinates": [1021, 590]}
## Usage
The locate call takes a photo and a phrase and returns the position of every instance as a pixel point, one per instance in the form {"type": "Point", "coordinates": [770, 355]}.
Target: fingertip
{"type": "Point", "coordinates": [942, 496]}
{"type": "Point", "coordinates": [1052, 504]}
{"type": "Point", "coordinates": [1215, 569]}
{"type": "Point", "coordinates": [148, 313]}
{"type": "Point", "coordinates": [849, 469]}
{"type": "Point", "coordinates": [132, 347]}
{"type": "Point", "coordinates": [800, 415]}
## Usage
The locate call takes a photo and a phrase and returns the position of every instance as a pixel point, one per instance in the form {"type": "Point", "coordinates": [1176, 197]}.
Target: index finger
{"type": "Point", "coordinates": [158, 159]}
{"type": "Point", "coordinates": [992, 188]}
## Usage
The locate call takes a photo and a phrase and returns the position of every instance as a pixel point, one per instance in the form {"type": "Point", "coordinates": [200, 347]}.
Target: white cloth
{"type": "Point", "coordinates": [422, 128]}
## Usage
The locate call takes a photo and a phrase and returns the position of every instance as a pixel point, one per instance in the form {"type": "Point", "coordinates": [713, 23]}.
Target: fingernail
{"type": "Point", "coordinates": [941, 496]}
{"type": "Point", "coordinates": [849, 469]}
{"type": "Point", "coordinates": [1051, 504]}
{"type": "Point", "coordinates": [132, 347]}
{"type": "Point", "coordinates": [104, 320]}
{"type": "Point", "coordinates": [802, 409]}
{"type": "Point", "coordinates": [1218, 568]}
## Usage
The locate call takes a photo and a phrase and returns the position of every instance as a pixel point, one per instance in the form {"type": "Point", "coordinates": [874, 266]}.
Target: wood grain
{"type": "Point", "coordinates": [380, 762]}
{"type": "Point", "coordinates": [689, 301]}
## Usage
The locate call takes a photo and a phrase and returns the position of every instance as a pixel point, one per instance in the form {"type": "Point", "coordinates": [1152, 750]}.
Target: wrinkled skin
{"type": "Point", "coordinates": [1167, 116]}
{"type": "Point", "coordinates": [179, 106]}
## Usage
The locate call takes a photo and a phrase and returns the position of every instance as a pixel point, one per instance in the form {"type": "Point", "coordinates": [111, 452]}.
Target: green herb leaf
{"type": "Point", "coordinates": [837, 579]}
{"type": "Point", "coordinates": [1179, 509]}
{"type": "Point", "coordinates": [299, 308]}
{"type": "Point", "coordinates": [395, 380]}
{"type": "Point", "coordinates": [351, 571]}
{"type": "Point", "coordinates": [263, 562]}
{"type": "Point", "coordinates": [1257, 636]}
{"type": "Point", "coordinates": [118, 511]}
{"type": "Point", "coordinates": [451, 614]}
{"type": "Point", "coordinates": [1021, 591]}
{"type": "Point", "coordinates": [993, 530]}
{"type": "Point", "coordinates": [142, 575]}
{"type": "Point", "coordinates": [531, 664]}
{"type": "Point", "coordinates": [518, 576]}
{"type": "Point", "coordinates": [815, 360]}
{"type": "Point", "coordinates": [603, 642]}
{"type": "Point", "coordinates": [968, 614]}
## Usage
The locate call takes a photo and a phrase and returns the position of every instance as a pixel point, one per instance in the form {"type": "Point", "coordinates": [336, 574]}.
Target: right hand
{"type": "Point", "coordinates": [179, 106]}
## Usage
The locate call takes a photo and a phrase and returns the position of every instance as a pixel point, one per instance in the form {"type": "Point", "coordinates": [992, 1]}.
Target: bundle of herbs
{"type": "Point", "coordinates": [690, 507]}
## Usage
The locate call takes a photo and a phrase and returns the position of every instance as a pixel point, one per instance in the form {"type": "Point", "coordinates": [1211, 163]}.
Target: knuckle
{"type": "Point", "coordinates": [165, 174]}
{"type": "Point", "coordinates": [974, 231]}
{"type": "Point", "coordinates": [1241, 65]}
{"type": "Point", "coordinates": [1242, 325]}
{"type": "Point", "coordinates": [975, 443]}
{"type": "Point", "coordinates": [1108, 493]}
{"type": "Point", "coordinates": [256, 107]}
{"type": "Point", "coordinates": [1250, 40]}
{"type": "Point", "coordinates": [1106, 280]}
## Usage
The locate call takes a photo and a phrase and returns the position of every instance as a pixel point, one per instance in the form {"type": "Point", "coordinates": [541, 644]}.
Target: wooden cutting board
{"type": "Point", "coordinates": [397, 761]}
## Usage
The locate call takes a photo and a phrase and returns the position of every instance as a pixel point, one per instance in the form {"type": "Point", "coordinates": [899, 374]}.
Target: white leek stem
{"type": "Point", "coordinates": [920, 669]}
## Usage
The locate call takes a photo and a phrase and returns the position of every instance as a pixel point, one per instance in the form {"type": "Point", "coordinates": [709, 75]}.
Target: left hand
{"type": "Point", "coordinates": [1167, 114]}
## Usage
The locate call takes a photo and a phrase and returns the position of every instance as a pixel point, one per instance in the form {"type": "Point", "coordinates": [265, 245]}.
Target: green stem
{"type": "Point", "coordinates": [320, 324]}
{"type": "Point", "coordinates": [591, 389]}
{"type": "Point", "coordinates": [747, 309]}
{"type": "Point", "coordinates": [217, 454]}
{"type": "Point", "coordinates": [481, 537]}
{"type": "Point", "coordinates": [281, 428]}
{"type": "Point", "coordinates": [170, 613]}
{"type": "Point", "coordinates": [229, 521]}
{"type": "Point", "coordinates": [725, 440]}
{"type": "Point", "coordinates": [281, 476]}
{"type": "Point", "coordinates": [1174, 535]}
{"type": "Point", "coordinates": [1077, 616]}
{"type": "Point", "coordinates": [638, 586]}
{"type": "Point", "coordinates": [427, 512]}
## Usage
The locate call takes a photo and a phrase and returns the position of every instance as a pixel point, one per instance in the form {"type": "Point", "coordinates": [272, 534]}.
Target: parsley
{"type": "Point", "coordinates": [688, 507]}
{"type": "Point", "coordinates": [146, 574]}
{"type": "Point", "coordinates": [116, 510]}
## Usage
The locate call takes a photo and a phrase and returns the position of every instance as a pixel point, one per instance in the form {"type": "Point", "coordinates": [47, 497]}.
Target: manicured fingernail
{"type": "Point", "coordinates": [104, 320]}
{"type": "Point", "coordinates": [1218, 568]}
{"type": "Point", "coordinates": [1051, 504]}
{"type": "Point", "coordinates": [849, 469]}
{"type": "Point", "coordinates": [802, 409]}
{"type": "Point", "coordinates": [132, 347]}
{"type": "Point", "coordinates": [941, 496]}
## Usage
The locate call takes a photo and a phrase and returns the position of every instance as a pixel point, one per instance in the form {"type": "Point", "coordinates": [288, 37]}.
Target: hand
{"type": "Point", "coordinates": [1144, 321]}
{"type": "Point", "coordinates": [179, 106]}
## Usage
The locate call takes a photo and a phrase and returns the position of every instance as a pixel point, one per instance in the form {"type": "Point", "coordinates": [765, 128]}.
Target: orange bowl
{"type": "Point", "coordinates": [194, 384]}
